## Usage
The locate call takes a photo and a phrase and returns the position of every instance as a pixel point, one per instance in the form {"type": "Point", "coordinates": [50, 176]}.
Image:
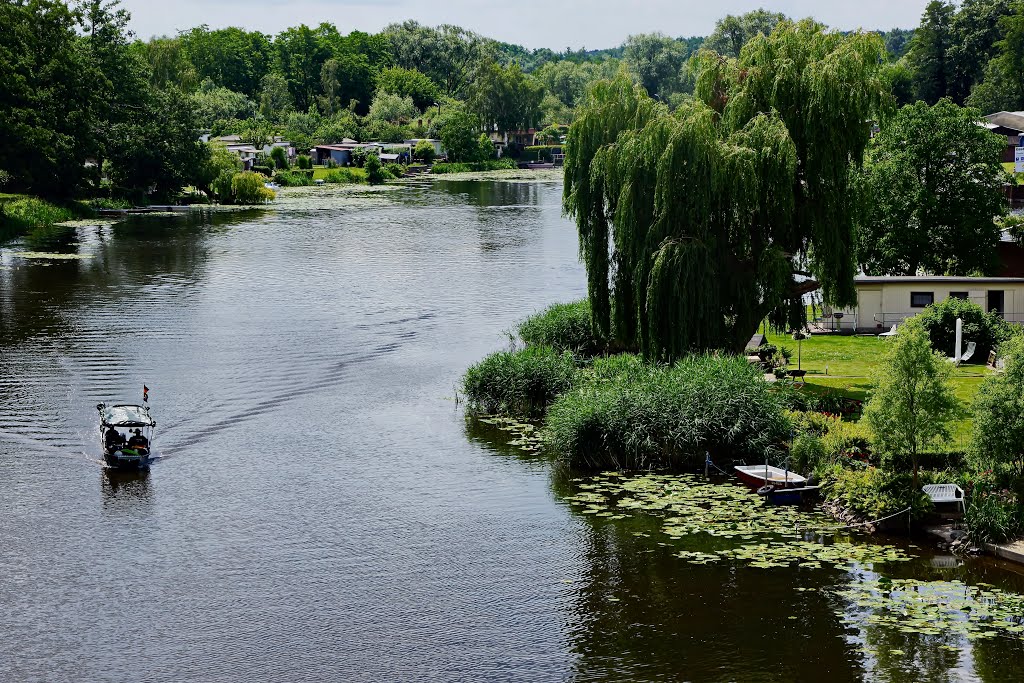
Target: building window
{"type": "Point", "coordinates": [921, 299]}
{"type": "Point", "coordinates": [959, 295]}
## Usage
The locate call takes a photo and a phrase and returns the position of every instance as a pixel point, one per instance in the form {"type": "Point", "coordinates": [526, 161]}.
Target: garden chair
{"type": "Point", "coordinates": [967, 355]}
{"type": "Point", "coordinates": [946, 493]}
{"type": "Point", "coordinates": [890, 333]}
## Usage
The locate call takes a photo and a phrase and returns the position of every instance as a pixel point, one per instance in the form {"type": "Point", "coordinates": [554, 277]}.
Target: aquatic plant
{"type": "Point", "coordinates": [934, 608]}
{"type": "Point", "coordinates": [519, 383]}
{"type": "Point", "coordinates": [565, 327]}
{"type": "Point", "coordinates": [669, 416]}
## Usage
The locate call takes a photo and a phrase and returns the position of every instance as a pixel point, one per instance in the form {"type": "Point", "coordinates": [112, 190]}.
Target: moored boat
{"type": "Point", "coordinates": [758, 476]}
{"type": "Point", "coordinates": [121, 451]}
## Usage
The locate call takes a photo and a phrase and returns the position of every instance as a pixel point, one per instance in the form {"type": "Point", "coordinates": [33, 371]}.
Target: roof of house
{"type": "Point", "coordinates": [933, 279]}
{"type": "Point", "coordinates": [1014, 120]}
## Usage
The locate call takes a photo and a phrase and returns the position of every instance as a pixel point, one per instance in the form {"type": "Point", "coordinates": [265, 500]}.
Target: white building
{"type": "Point", "coordinates": [886, 301]}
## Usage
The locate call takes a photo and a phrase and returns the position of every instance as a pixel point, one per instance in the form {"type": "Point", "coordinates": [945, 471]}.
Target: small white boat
{"type": "Point", "coordinates": [756, 476]}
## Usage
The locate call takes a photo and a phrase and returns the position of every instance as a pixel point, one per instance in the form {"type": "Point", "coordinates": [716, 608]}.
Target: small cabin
{"type": "Point", "coordinates": [886, 301]}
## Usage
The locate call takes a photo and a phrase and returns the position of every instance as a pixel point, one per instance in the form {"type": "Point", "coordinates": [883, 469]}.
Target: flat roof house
{"type": "Point", "coordinates": [1009, 124]}
{"type": "Point", "coordinates": [886, 301]}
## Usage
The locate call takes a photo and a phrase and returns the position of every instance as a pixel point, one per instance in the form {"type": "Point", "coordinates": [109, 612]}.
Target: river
{"type": "Point", "coordinates": [320, 508]}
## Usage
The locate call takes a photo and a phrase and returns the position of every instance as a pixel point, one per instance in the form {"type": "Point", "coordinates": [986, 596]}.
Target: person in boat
{"type": "Point", "coordinates": [138, 441]}
{"type": "Point", "coordinates": [113, 440]}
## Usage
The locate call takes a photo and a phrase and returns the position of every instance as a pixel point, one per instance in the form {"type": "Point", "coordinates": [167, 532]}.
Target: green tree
{"type": "Point", "coordinates": [484, 148]}
{"type": "Point", "coordinates": [409, 83]}
{"type": "Point", "coordinates": [1002, 88]}
{"type": "Point", "coordinates": [750, 186]}
{"type": "Point", "coordinates": [213, 103]}
{"type": "Point", "coordinates": [275, 97]}
{"type": "Point", "coordinates": [392, 108]}
{"type": "Point", "coordinates": [655, 60]}
{"type": "Point", "coordinates": [257, 132]}
{"type": "Point", "coordinates": [47, 96]}
{"type": "Point", "coordinates": [374, 170]}
{"type": "Point", "coordinates": [424, 151]}
{"type": "Point", "coordinates": [156, 150]}
{"type": "Point", "coordinates": [976, 32]}
{"type": "Point", "coordinates": [300, 56]}
{"type": "Point", "coordinates": [733, 32]}
{"type": "Point", "coordinates": [912, 404]}
{"type": "Point", "coordinates": [504, 98]}
{"type": "Point", "coordinates": [220, 162]}
{"type": "Point", "coordinates": [347, 82]}
{"type": "Point", "coordinates": [231, 57]}
{"type": "Point", "coordinates": [446, 54]}
{"type": "Point", "coordinates": [936, 183]}
{"type": "Point", "coordinates": [928, 55]}
{"type": "Point", "coordinates": [998, 436]}
{"type": "Point", "coordinates": [458, 134]}
{"type": "Point", "coordinates": [168, 64]}
{"type": "Point", "coordinates": [250, 188]}
{"type": "Point", "coordinates": [280, 157]}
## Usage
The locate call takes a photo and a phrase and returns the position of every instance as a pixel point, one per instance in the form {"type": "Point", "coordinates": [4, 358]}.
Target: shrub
{"type": "Point", "coordinates": [346, 175]}
{"type": "Point", "coordinates": [293, 178]}
{"type": "Point", "coordinates": [375, 173]}
{"type": "Point", "coordinates": [331, 163]}
{"type": "Point", "coordinates": [304, 161]}
{"type": "Point", "coordinates": [263, 170]}
{"type": "Point", "coordinates": [875, 493]}
{"type": "Point", "coordinates": [519, 383]}
{"type": "Point", "coordinates": [807, 453]}
{"type": "Point", "coordinates": [396, 170]}
{"type": "Point", "coordinates": [655, 416]}
{"type": "Point", "coordinates": [280, 157]}
{"type": "Point", "coordinates": [5, 177]}
{"type": "Point", "coordinates": [566, 327]}
{"type": "Point", "coordinates": [476, 167]}
{"type": "Point", "coordinates": [424, 151]}
{"type": "Point", "coordinates": [248, 188]}
{"type": "Point", "coordinates": [993, 516]}
{"type": "Point", "coordinates": [221, 185]}
{"type": "Point", "coordinates": [987, 330]}
{"type": "Point", "coordinates": [998, 436]}
{"type": "Point", "coordinates": [99, 203]}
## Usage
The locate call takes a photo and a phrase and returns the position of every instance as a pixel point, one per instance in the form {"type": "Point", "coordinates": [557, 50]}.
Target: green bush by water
{"type": "Point", "coordinates": [519, 383]}
{"type": "Point", "coordinates": [296, 178]}
{"type": "Point", "coordinates": [29, 213]}
{"type": "Point", "coordinates": [476, 166]}
{"type": "Point", "coordinates": [343, 176]}
{"type": "Point", "coordinates": [647, 416]}
{"type": "Point", "coordinates": [875, 493]}
{"type": "Point", "coordinates": [566, 327]}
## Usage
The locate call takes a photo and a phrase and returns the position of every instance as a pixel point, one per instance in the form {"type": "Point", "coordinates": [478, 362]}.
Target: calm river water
{"type": "Point", "coordinates": [321, 511]}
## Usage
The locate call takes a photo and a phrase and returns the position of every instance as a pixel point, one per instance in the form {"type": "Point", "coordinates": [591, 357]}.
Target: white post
{"type": "Point", "coordinates": [959, 339]}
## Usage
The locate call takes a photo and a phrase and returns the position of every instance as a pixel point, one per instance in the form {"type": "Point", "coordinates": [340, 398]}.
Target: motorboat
{"type": "Point", "coordinates": [126, 435]}
{"type": "Point", "coordinates": [759, 476]}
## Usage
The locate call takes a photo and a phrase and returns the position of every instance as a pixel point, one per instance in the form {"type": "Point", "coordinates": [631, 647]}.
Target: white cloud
{"type": "Point", "coordinates": [533, 23]}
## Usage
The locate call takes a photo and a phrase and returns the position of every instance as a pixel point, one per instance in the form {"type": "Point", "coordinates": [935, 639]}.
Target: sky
{"type": "Point", "coordinates": [591, 24]}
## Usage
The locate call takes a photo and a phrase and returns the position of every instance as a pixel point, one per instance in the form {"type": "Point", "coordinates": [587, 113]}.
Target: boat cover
{"type": "Point", "coordinates": [127, 416]}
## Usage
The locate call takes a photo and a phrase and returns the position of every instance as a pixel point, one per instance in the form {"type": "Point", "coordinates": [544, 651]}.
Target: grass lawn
{"type": "Point", "coordinates": [846, 364]}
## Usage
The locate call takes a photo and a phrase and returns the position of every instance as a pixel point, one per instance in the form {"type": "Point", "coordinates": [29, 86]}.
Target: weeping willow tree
{"type": "Point", "coordinates": [695, 225]}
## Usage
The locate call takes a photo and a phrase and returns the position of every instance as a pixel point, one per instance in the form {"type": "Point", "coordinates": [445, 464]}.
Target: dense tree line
{"type": "Point", "coordinates": [90, 108]}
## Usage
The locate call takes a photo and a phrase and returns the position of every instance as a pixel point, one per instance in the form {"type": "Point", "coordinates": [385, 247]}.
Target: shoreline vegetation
{"type": "Point", "coordinates": [595, 409]}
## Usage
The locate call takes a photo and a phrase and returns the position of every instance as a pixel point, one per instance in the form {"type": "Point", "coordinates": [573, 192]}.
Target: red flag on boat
{"type": "Point", "coordinates": [145, 394]}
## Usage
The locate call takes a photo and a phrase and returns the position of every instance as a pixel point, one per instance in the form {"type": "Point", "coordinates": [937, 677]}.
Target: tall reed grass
{"type": "Point", "coordinates": [632, 415]}
{"type": "Point", "coordinates": [519, 383]}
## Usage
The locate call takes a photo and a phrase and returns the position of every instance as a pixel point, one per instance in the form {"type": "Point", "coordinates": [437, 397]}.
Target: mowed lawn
{"type": "Point", "coordinates": [847, 364]}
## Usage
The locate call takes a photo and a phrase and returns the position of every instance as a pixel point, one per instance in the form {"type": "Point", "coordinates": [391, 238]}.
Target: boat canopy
{"type": "Point", "coordinates": [126, 416]}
